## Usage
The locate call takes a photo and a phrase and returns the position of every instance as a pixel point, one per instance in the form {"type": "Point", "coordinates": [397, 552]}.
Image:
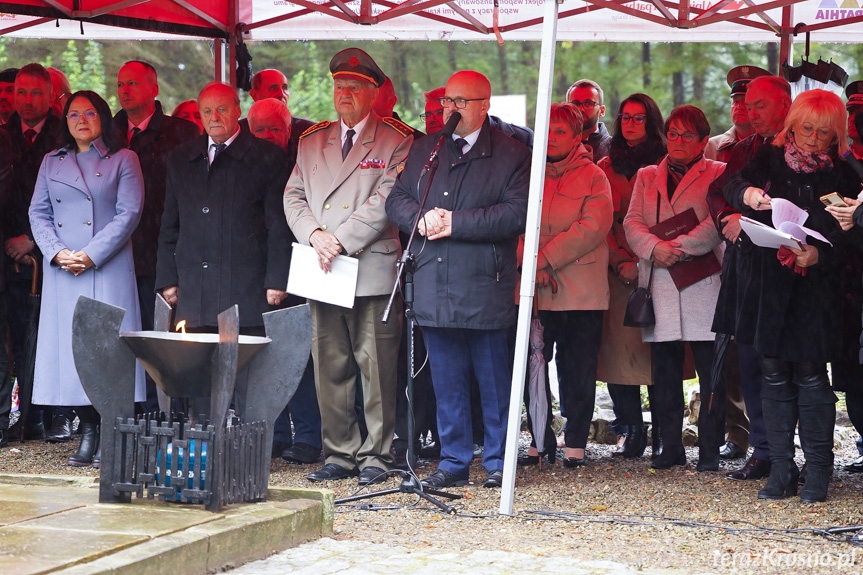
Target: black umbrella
{"type": "Point", "coordinates": [28, 363]}
{"type": "Point", "coordinates": [717, 369]}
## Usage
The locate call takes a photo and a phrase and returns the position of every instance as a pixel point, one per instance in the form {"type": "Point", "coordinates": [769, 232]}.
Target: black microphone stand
{"type": "Point", "coordinates": [410, 481]}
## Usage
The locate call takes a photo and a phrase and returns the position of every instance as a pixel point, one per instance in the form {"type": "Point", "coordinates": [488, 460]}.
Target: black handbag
{"type": "Point", "coordinates": [639, 306]}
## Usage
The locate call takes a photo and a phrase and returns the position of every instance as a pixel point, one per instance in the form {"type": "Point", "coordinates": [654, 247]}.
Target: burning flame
{"type": "Point", "coordinates": [181, 327]}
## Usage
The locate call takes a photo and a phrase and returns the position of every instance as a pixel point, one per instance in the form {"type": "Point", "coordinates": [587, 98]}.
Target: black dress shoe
{"type": "Point", "coordinates": [331, 472]}
{"type": "Point", "coordinates": [371, 475]}
{"type": "Point", "coordinates": [670, 456]}
{"type": "Point", "coordinates": [708, 460]}
{"type": "Point", "coordinates": [430, 451]}
{"type": "Point", "coordinates": [495, 479]}
{"type": "Point", "coordinates": [527, 460]}
{"type": "Point", "coordinates": [573, 462]}
{"type": "Point", "coordinates": [855, 466]}
{"type": "Point", "coordinates": [441, 479]}
{"type": "Point", "coordinates": [60, 430]}
{"type": "Point", "coordinates": [278, 448]}
{"type": "Point", "coordinates": [754, 468]}
{"type": "Point", "coordinates": [4, 437]}
{"type": "Point", "coordinates": [302, 453]}
{"type": "Point", "coordinates": [731, 451]}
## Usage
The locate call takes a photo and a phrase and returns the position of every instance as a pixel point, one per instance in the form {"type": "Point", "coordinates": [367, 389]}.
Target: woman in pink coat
{"type": "Point", "coordinates": [685, 315]}
{"type": "Point", "coordinates": [573, 256]}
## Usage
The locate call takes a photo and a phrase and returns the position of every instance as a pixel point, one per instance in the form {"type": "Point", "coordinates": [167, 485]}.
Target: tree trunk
{"type": "Point", "coordinates": [645, 64]}
{"type": "Point", "coordinates": [677, 90]}
{"type": "Point", "coordinates": [773, 58]}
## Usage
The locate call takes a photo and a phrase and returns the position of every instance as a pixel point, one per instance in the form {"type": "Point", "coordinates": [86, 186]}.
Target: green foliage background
{"type": "Point", "coordinates": [673, 74]}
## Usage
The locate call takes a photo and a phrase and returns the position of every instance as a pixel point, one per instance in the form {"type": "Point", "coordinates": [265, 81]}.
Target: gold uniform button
{"type": "Point", "coordinates": [345, 206]}
{"type": "Point", "coordinates": [326, 206]}
{"type": "Point", "coordinates": [324, 227]}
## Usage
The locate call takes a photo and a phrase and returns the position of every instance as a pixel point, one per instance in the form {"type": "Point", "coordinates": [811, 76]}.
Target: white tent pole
{"type": "Point", "coordinates": [531, 243]}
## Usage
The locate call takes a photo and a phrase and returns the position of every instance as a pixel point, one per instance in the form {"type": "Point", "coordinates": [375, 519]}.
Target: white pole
{"type": "Point", "coordinates": [531, 244]}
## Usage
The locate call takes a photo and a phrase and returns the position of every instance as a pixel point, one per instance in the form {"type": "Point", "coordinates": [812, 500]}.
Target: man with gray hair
{"type": "Point", "coordinates": [270, 120]}
{"type": "Point", "coordinates": [223, 237]}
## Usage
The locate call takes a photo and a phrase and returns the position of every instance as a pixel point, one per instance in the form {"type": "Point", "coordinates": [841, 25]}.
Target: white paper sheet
{"type": "Point", "coordinates": [307, 279]}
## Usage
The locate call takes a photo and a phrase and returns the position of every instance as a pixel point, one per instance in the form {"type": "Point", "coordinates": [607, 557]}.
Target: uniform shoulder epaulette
{"type": "Point", "coordinates": [315, 128]}
{"type": "Point", "coordinates": [399, 126]}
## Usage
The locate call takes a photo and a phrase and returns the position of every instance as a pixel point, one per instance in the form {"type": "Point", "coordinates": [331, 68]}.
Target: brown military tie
{"type": "Point", "coordinates": [29, 136]}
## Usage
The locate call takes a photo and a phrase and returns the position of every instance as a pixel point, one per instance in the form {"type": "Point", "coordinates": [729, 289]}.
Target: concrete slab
{"type": "Point", "coordinates": [55, 525]}
{"type": "Point", "coordinates": [43, 493]}
{"type": "Point", "coordinates": [130, 519]}
{"type": "Point", "coordinates": [61, 546]}
{"type": "Point", "coordinates": [17, 511]}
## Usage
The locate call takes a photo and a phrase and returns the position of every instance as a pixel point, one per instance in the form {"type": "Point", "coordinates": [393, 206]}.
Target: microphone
{"type": "Point", "coordinates": [446, 133]}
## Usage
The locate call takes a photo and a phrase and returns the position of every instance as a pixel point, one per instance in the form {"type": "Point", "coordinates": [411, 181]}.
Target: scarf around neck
{"type": "Point", "coordinates": [805, 162]}
{"type": "Point", "coordinates": [677, 171]}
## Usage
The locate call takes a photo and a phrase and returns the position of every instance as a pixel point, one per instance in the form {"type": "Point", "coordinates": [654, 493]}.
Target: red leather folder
{"type": "Point", "coordinates": [686, 272]}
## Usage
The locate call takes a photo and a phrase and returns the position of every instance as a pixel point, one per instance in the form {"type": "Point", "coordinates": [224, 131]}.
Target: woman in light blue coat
{"type": "Point", "coordinates": [85, 206]}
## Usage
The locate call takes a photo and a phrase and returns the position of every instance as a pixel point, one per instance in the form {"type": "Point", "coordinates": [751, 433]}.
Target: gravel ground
{"type": "Point", "coordinates": [615, 510]}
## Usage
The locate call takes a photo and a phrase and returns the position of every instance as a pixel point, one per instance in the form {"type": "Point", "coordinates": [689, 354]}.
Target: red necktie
{"type": "Point", "coordinates": [29, 136]}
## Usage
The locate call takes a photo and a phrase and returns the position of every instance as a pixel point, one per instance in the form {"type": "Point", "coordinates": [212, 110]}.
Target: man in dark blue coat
{"type": "Point", "coordinates": [466, 273]}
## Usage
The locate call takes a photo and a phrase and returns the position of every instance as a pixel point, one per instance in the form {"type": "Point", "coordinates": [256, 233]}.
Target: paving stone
{"type": "Point", "coordinates": [39, 493]}
{"type": "Point", "coordinates": [16, 511]}
{"type": "Point", "coordinates": [62, 545]}
{"type": "Point", "coordinates": [130, 519]}
{"type": "Point", "coordinates": [16, 566]}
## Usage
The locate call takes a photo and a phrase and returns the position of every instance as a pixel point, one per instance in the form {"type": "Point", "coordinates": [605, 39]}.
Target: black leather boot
{"type": "Point", "coordinates": [97, 457]}
{"type": "Point", "coordinates": [636, 442]}
{"type": "Point", "coordinates": [779, 400]}
{"type": "Point", "coordinates": [89, 436]}
{"type": "Point", "coordinates": [817, 419]}
{"type": "Point", "coordinates": [708, 458]}
{"type": "Point", "coordinates": [61, 429]}
{"type": "Point", "coordinates": [671, 455]}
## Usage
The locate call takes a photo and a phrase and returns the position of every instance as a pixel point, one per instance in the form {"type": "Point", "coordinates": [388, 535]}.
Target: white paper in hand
{"type": "Point", "coordinates": [307, 279]}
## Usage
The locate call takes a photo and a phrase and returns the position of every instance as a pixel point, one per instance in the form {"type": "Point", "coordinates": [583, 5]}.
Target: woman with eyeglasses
{"type": "Point", "coordinates": [796, 302]}
{"type": "Point", "coordinates": [571, 278]}
{"type": "Point", "coordinates": [683, 315]}
{"type": "Point", "coordinates": [86, 204]}
{"type": "Point", "coordinates": [624, 359]}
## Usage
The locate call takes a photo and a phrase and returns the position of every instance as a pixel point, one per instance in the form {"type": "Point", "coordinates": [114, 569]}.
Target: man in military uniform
{"type": "Point", "coordinates": [334, 201]}
{"type": "Point", "coordinates": [854, 92]}
{"type": "Point", "coordinates": [719, 147]}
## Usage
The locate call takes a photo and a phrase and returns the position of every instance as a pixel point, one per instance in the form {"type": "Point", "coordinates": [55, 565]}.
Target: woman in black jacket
{"type": "Point", "coordinates": [792, 299]}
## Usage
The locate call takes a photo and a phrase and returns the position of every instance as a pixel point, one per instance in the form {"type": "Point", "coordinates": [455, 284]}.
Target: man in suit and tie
{"type": "Point", "coordinates": [33, 133]}
{"type": "Point", "coordinates": [152, 135]}
{"type": "Point", "coordinates": [334, 201]}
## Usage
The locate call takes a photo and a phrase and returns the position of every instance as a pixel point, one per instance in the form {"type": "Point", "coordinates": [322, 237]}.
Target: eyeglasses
{"type": "Point", "coordinates": [824, 133]}
{"type": "Point", "coordinates": [89, 115]}
{"type": "Point", "coordinates": [585, 104]}
{"type": "Point", "coordinates": [428, 115]}
{"type": "Point", "coordinates": [687, 137]}
{"type": "Point", "coordinates": [460, 103]}
{"type": "Point", "coordinates": [637, 119]}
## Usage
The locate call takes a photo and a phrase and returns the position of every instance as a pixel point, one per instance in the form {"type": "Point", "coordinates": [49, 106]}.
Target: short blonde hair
{"type": "Point", "coordinates": [821, 108]}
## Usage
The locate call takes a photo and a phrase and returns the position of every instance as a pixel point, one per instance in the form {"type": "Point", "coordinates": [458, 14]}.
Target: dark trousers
{"type": "Point", "coordinates": [668, 359]}
{"type": "Point", "coordinates": [302, 410]}
{"type": "Point", "coordinates": [577, 335]}
{"type": "Point", "coordinates": [423, 393]}
{"type": "Point", "coordinates": [750, 384]}
{"type": "Point", "coordinates": [626, 401]}
{"type": "Point", "coordinates": [453, 352]}
{"type": "Point", "coordinates": [5, 372]}
{"type": "Point", "coordinates": [147, 305]}
{"type": "Point", "coordinates": [18, 304]}
{"type": "Point", "coordinates": [854, 405]}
